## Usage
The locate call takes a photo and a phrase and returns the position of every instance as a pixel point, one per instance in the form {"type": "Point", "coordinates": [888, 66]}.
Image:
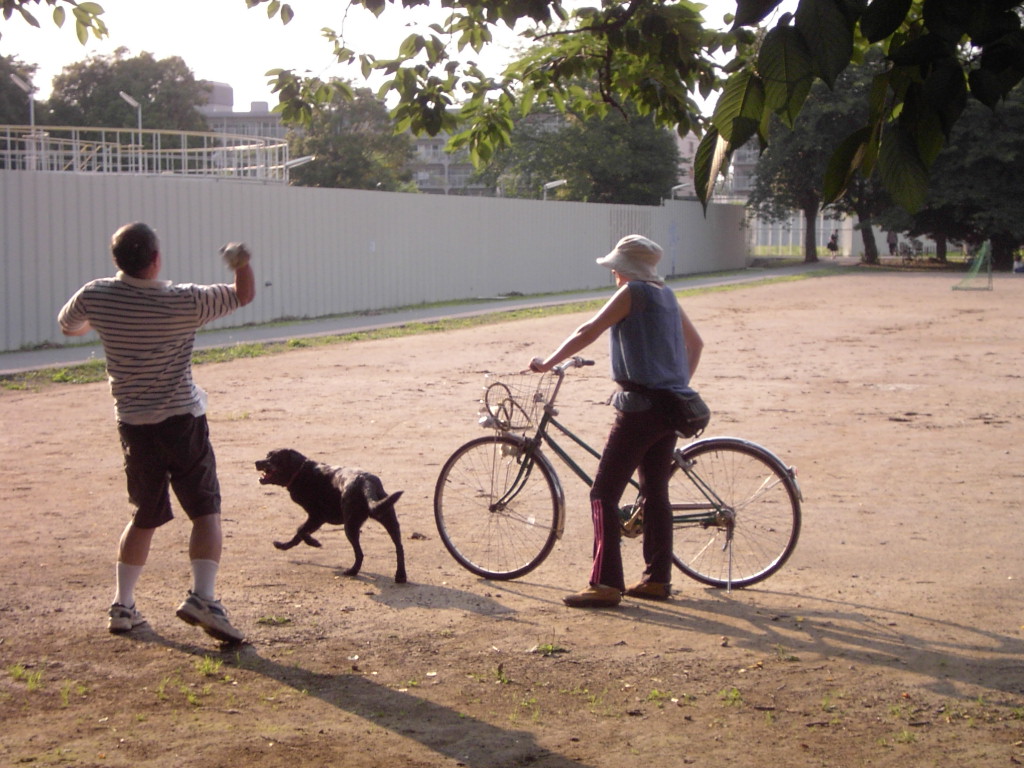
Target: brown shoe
{"type": "Point", "coordinates": [650, 590]}
{"type": "Point", "coordinates": [594, 596]}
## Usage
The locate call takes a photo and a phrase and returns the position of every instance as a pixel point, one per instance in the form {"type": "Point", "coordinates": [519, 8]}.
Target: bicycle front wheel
{"type": "Point", "coordinates": [497, 507]}
{"type": "Point", "coordinates": [744, 524]}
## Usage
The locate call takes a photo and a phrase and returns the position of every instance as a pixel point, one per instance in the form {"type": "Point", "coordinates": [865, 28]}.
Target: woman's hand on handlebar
{"type": "Point", "coordinates": [537, 365]}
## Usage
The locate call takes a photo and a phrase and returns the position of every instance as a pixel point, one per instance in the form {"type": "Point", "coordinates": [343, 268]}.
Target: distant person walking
{"type": "Point", "coordinates": [893, 240]}
{"type": "Point", "coordinates": [148, 329]}
{"type": "Point", "coordinates": [833, 244]}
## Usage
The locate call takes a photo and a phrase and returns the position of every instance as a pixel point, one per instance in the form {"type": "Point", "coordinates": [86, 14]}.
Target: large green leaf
{"type": "Point", "coordinates": [828, 33]}
{"type": "Point", "coordinates": [712, 154]}
{"type": "Point", "coordinates": [845, 161]}
{"type": "Point", "coordinates": [750, 13]}
{"type": "Point", "coordinates": [945, 91]}
{"type": "Point", "coordinates": [739, 109]}
{"type": "Point", "coordinates": [902, 171]}
{"type": "Point", "coordinates": [785, 66]}
{"type": "Point", "coordinates": [882, 18]}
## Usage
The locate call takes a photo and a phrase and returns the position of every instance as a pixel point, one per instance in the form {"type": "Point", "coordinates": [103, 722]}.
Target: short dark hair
{"type": "Point", "coordinates": [134, 247]}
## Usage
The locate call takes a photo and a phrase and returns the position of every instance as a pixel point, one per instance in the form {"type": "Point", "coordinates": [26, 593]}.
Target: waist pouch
{"type": "Point", "coordinates": [687, 414]}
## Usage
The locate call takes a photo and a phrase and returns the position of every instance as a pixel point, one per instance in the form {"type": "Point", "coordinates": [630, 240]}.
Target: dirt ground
{"type": "Point", "coordinates": [892, 637]}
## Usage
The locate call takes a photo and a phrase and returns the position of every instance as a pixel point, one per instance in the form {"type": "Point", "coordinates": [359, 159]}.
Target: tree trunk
{"type": "Point", "coordinates": [1002, 253]}
{"type": "Point", "coordinates": [941, 248]}
{"type": "Point", "coordinates": [810, 234]}
{"type": "Point", "coordinates": [867, 234]}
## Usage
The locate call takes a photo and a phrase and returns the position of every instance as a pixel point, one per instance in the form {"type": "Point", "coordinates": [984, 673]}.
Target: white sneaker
{"type": "Point", "coordinates": [210, 616]}
{"type": "Point", "coordinates": [123, 618]}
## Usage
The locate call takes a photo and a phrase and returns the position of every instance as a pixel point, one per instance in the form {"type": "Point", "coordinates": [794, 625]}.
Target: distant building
{"type": "Point", "coordinates": [434, 170]}
{"type": "Point", "coordinates": [740, 178]}
{"type": "Point", "coordinates": [744, 169]}
{"type": "Point", "coordinates": [687, 146]}
{"type": "Point", "coordinates": [438, 172]}
{"type": "Point", "coordinates": [258, 121]}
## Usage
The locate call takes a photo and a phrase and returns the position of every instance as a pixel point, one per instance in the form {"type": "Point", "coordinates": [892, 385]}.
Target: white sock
{"type": "Point", "coordinates": [204, 578]}
{"type": "Point", "coordinates": [127, 578]}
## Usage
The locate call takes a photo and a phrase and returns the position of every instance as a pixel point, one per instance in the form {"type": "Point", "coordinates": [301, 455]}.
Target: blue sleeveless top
{"type": "Point", "coordinates": [647, 345]}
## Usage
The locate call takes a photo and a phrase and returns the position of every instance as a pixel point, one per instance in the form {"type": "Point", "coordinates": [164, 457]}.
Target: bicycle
{"type": "Point", "coordinates": [499, 505]}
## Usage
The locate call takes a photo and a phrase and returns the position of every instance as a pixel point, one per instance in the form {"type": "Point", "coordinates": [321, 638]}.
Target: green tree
{"type": "Point", "coordinates": [788, 178]}
{"type": "Point", "coordinates": [792, 171]}
{"type": "Point", "coordinates": [657, 55]}
{"type": "Point", "coordinates": [612, 159]}
{"type": "Point", "coordinates": [354, 144]}
{"type": "Point", "coordinates": [867, 199]}
{"type": "Point", "coordinates": [87, 92]}
{"type": "Point", "coordinates": [14, 105]}
{"type": "Point", "coordinates": [978, 182]}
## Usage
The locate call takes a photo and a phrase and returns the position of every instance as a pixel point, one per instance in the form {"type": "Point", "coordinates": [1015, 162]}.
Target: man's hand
{"type": "Point", "coordinates": [236, 255]}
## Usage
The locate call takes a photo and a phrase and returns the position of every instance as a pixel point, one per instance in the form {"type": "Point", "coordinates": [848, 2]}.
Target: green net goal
{"type": "Point", "coordinates": [979, 275]}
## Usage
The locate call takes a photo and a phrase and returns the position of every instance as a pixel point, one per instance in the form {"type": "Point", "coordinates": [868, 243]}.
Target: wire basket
{"type": "Point", "coordinates": [514, 401]}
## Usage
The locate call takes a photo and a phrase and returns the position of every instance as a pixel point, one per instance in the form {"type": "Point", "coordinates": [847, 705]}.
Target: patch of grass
{"type": "Point", "coordinates": [95, 370]}
{"type": "Point", "coordinates": [548, 649]}
{"type": "Point", "coordinates": [532, 706]}
{"type": "Point", "coordinates": [161, 689]}
{"type": "Point", "coordinates": [33, 680]}
{"type": "Point", "coordinates": [731, 696]}
{"type": "Point", "coordinates": [904, 737]}
{"type": "Point", "coordinates": [782, 654]}
{"type": "Point", "coordinates": [67, 687]}
{"type": "Point", "coordinates": [273, 621]}
{"type": "Point", "coordinates": [658, 697]}
{"type": "Point", "coordinates": [500, 675]}
{"type": "Point", "coordinates": [208, 666]}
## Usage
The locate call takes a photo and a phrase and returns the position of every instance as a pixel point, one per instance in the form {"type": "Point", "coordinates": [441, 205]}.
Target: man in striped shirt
{"type": "Point", "coordinates": [148, 329]}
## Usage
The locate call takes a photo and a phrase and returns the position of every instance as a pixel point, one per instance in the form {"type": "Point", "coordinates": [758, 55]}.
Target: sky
{"type": "Point", "coordinates": [224, 41]}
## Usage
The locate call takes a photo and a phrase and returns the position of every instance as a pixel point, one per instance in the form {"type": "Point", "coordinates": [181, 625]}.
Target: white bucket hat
{"type": "Point", "coordinates": [634, 257]}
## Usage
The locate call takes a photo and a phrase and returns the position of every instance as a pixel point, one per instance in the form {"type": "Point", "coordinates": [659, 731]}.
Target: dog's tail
{"type": "Point", "coordinates": [386, 501]}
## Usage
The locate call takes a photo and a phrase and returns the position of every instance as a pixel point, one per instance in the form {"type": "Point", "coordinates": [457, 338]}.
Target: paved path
{"type": "Point", "coordinates": [16, 362]}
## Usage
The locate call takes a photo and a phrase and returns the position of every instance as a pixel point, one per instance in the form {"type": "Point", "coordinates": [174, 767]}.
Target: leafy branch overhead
{"type": "Point", "coordinates": [86, 15]}
{"type": "Point", "coordinates": [661, 58]}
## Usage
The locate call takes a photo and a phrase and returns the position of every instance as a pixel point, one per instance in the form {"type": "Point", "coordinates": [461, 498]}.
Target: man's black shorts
{"type": "Point", "coordinates": [176, 453]}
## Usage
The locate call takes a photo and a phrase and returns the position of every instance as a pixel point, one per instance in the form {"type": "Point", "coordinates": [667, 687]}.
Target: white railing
{"type": "Point", "coordinates": [127, 151]}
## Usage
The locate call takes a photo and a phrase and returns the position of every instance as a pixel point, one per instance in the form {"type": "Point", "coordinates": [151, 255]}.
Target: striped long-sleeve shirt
{"type": "Point", "coordinates": [148, 330]}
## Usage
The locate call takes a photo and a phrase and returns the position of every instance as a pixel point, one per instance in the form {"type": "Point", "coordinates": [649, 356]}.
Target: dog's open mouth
{"type": "Point", "coordinates": [267, 473]}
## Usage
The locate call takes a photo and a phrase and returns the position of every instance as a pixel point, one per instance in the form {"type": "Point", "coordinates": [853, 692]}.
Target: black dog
{"type": "Point", "coordinates": [335, 495]}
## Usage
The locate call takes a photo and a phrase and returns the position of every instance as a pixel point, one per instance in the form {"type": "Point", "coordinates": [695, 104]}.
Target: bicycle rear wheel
{"type": "Point", "coordinates": [497, 507]}
{"type": "Point", "coordinates": [757, 527]}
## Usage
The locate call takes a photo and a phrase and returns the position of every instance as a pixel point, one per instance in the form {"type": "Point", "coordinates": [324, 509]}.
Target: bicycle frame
{"type": "Point", "coordinates": [715, 512]}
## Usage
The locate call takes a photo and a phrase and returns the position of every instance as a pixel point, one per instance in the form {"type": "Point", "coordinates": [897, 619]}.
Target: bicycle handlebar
{"type": "Point", "coordinates": [573, 362]}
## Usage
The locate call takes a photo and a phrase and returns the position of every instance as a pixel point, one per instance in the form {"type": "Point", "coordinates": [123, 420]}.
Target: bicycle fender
{"type": "Point", "coordinates": [540, 458]}
{"type": "Point", "coordinates": [768, 455]}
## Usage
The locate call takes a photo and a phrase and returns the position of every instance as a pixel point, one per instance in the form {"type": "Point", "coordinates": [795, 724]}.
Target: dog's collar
{"type": "Point", "coordinates": [292, 479]}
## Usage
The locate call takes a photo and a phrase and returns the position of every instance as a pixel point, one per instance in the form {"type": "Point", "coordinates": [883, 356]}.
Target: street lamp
{"type": "Point", "coordinates": [31, 157]}
{"type": "Point", "coordinates": [138, 108]}
{"type": "Point", "coordinates": [552, 185]}
{"type": "Point", "coordinates": [679, 187]}
{"type": "Point", "coordinates": [138, 111]}
{"type": "Point", "coordinates": [29, 90]}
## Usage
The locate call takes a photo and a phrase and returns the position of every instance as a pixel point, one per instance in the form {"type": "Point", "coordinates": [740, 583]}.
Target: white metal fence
{"type": "Point", "coordinates": [319, 252]}
{"type": "Point", "coordinates": [121, 150]}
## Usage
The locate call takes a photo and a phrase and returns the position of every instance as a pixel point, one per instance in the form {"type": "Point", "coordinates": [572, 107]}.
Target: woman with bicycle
{"type": "Point", "coordinates": [654, 346]}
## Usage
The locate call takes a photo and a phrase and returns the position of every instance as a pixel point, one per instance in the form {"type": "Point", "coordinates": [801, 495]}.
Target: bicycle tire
{"type": "Point", "coordinates": [488, 534]}
{"type": "Point", "coordinates": [765, 499]}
